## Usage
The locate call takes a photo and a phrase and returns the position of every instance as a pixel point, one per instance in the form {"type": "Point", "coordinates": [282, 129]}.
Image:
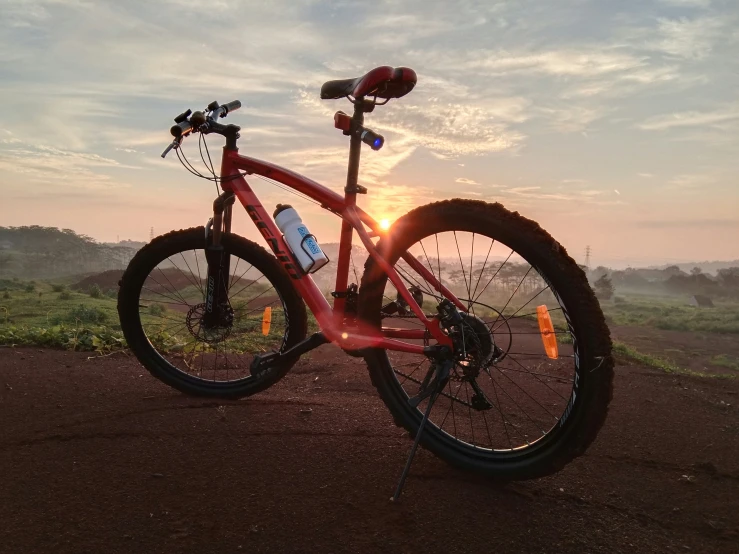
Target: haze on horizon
{"type": "Point", "coordinates": [614, 125]}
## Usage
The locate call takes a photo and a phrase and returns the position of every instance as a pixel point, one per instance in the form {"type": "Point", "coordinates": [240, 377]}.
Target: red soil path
{"type": "Point", "coordinates": [97, 456]}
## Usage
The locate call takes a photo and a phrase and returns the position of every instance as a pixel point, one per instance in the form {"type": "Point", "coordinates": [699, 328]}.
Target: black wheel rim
{"type": "Point", "coordinates": [171, 304]}
{"type": "Point", "coordinates": [517, 401]}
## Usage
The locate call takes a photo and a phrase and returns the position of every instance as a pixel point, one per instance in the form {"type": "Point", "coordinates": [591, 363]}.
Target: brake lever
{"type": "Point", "coordinates": [175, 144]}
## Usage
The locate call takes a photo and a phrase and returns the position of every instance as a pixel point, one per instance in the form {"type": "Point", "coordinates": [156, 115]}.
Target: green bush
{"type": "Point", "coordinates": [86, 314]}
{"type": "Point", "coordinates": [6, 295]}
{"type": "Point", "coordinates": [156, 310]}
{"type": "Point", "coordinates": [111, 293]}
{"type": "Point", "coordinates": [58, 288]}
{"type": "Point", "coordinates": [95, 291]}
{"type": "Point", "coordinates": [64, 295]}
{"type": "Point", "coordinates": [30, 287]}
{"type": "Point", "coordinates": [59, 336]}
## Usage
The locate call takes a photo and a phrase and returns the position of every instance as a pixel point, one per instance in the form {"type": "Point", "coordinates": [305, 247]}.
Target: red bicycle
{"type": "Point", "coordinates": [481, 335]}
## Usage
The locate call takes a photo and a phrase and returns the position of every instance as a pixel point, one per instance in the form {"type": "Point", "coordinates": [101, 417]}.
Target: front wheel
{"type": "Point", "coordinates": [161, 305]}
{"type": "Point", "coordinates": [519, 403]}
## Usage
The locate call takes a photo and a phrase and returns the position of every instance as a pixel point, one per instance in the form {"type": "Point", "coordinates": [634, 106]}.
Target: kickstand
{"type": "Point", "coordinates": [440, 380]}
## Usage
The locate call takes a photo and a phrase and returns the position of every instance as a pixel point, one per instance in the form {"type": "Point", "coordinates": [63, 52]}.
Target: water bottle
{"type": "Point", "coordinates": [304, 245]}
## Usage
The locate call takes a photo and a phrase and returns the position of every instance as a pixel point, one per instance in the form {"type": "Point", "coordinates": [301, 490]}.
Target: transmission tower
{"type": "Point", "coordinates": [587, 257]}
{"type": "Point", "coordinates": [151, 234]}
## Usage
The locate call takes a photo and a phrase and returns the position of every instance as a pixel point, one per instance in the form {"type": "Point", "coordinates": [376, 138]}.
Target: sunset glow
{"type": "Point", "coordinates": [385, 224]}
{"type": "Point", "coordinates": [505, 110]}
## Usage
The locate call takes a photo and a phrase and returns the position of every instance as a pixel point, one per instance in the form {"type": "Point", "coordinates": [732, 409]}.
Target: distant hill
{"type": "Point", "coordinates": [706, 267]}
{"type": "Point", "coordinates": [136, 245]}
{"type": "Point", "coordinates": [36, 252]}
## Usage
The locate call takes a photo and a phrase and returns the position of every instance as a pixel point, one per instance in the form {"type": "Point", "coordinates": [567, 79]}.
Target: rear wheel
{"type": "Point", "coordinates": [516, 406]}
{"type": "Point", "coordinates": [161, 304]}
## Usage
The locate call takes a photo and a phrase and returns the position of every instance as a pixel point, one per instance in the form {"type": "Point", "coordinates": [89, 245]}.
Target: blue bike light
{"type": "Point", "coordinates": [372, 139]}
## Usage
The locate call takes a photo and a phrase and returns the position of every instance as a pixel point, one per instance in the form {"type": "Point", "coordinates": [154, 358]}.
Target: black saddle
{"type": "Point", "coordinates": [382, 82]}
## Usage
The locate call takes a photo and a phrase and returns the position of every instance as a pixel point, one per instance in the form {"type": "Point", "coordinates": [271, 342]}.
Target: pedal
{"type": "Point", "coordinates": [262, 363]}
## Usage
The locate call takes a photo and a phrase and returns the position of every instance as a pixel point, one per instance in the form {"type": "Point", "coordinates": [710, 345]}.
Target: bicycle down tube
{"type": "Point", "coordinates": [232, 180]}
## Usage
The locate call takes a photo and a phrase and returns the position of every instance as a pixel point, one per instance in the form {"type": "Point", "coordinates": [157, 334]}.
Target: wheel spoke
{"type": "Point", "coordinates": [526, 399]}
{"type": "Point", "coordinates": [220, 352]}
{"type": "Point", "coordinates": [494, 275]}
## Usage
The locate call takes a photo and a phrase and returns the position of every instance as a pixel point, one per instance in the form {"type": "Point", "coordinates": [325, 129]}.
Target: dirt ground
{"type": "Point", "coordinates": [689, 350]}
{"type": "Point", "coordinates": [97, 456]}
{"type": "Point", "coordinates": [105, 280]}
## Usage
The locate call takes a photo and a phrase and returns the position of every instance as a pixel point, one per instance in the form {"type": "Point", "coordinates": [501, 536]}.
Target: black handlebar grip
{"type": "Point", "coordinates": [371, 138]}
{"type": "Point", "coordinates": [183, 116]}
{"type": "Point", "coordinates": [180, 129]}
{"type": "Point", "coordinates": [231, 106]}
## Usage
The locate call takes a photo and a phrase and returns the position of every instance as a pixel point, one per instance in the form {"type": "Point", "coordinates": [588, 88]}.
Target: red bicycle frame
{"type": "Point", "coordinates": [353, 219]}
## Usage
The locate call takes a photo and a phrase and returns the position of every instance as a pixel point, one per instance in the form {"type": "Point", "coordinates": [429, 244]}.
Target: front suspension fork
{"type": "Point", "coordinates": [218, 260]}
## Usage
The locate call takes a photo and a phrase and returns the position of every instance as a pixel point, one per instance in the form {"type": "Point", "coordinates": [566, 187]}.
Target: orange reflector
{"type": "Point", "coordinates": [547, 332]}
{"type": "Point", "coordinates": [266, 320]}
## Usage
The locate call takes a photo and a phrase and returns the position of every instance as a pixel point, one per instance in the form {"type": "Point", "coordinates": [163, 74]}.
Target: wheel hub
{"type": "Point", "coordinates": [474, 346]}
{"type": "Point", "coordinates": [210, 334]}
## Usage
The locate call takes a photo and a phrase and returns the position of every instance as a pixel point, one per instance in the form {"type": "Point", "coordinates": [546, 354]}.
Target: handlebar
{"type": "Point", "coordinates": [182, 129]}
{"type": "Point", "coordinates": [223, 111]}
{"type": "Point", "coordinates": [189, 122]}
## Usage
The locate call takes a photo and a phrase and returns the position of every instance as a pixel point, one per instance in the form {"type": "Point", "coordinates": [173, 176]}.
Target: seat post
{"type": "Point", "coordinates": [355, 149]}
{"type": "Point", "coordinates": [350, 199]}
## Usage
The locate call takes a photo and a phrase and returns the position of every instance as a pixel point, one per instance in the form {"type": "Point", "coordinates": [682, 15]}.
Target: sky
{"type": "Point", "coordinates": [613, 124]}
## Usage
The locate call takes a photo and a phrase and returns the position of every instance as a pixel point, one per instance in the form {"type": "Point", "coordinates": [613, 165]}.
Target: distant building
{"type": "Point", "coordinates": [700, 301]}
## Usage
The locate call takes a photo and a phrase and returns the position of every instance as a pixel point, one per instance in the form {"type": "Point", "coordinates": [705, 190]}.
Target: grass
{"type": "Point", "coordinates": [724, 360]}
{"type": "Point", "coordinates": [48, 314]}
{"type": "Point", "coordinates": [88, 321]}
{"type": "Point", "coordinates": [656, 362]}
{"type": "Point", "coordinates": [99, 339]}
{"type": "Point", "coordinates": [673, 314]}
{"type": "Point", "coordinates": [27, 309]}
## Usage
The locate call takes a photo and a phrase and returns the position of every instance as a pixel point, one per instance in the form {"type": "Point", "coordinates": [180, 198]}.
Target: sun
{"type": "Point", "coordinates": [385, 224]}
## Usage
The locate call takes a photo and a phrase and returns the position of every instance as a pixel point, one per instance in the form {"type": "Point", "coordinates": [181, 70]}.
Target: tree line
{"type": "Point", "coordinates": [41, 252]}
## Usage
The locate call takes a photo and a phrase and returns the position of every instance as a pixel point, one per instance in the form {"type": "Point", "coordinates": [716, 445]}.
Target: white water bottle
{"type": "Point", "coordinates": [302, 243]}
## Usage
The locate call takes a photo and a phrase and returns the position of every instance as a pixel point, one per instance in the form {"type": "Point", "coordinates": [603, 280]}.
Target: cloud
{"type": "Point", "coordinates": [689, 181]}
{"type": "Point", "coordinates": [645, 175]}
{"type": "Point", "coordinates": [712, 118]}
{"type": "Point", "coordinates": [687, 3]}
{"type": "Point", "coordinates": [687, 38]}
{"type": "Point", "coordinates": [692, 223]}
{"type": "Point", "coordinates": [566, 62]}
{"type": "Point", "coordinates": [505, 89]}
{"type": "Point", "coordinates": [571, 118]}
{"type": "Point", "coordinates": [50, 165]}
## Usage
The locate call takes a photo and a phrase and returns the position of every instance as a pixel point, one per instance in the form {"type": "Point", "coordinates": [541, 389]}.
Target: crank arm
{"type": "Point", "coordinates": [264, 362]}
